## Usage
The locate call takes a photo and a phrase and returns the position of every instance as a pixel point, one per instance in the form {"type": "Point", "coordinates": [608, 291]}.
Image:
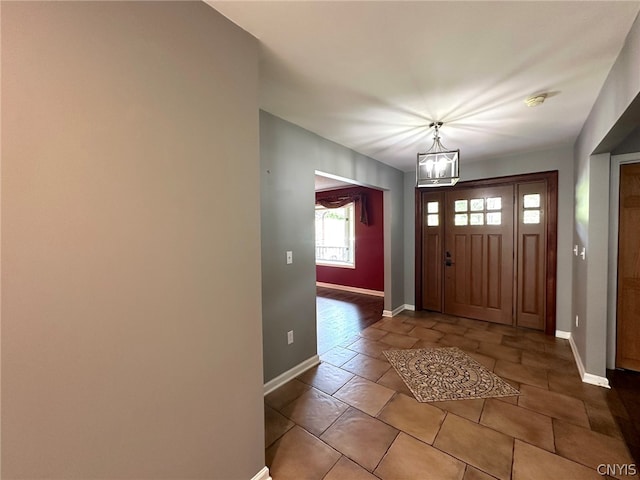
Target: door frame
{"type": "Point", "coordinates": [551, 227]}
{"type": "Point", "coordinates": [614, 227]}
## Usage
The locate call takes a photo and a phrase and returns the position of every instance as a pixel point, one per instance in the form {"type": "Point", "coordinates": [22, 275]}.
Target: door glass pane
{"type": "Point", "coordinates": [432, 207]}
{"type": "Point", "coordinates": [494, 203]}
{"type": "Point", "coordinates": [477, 204]}
{"type": "Point", "coordinates": [461, 219]}
{"type": "Point", "coordinates": [532, 200]}
{"type": "Point", "coordinates": [461, 206]}
{"type": "Point", "coordinates": [531, 216]}
{"type": "Point", "coordinates": [477, 218]}
{"type": "Point", "coordinates": [432, 220]}
{"type": "Point", "coordinates": [494, 218]}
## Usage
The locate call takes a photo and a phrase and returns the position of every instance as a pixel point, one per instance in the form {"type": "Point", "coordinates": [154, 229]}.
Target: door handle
{"type": "Point", "coordinates": [447, 259]}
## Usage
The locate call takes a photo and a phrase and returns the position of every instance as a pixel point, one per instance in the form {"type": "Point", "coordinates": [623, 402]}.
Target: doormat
{"type": "Point", "coordinates": [447, 373]}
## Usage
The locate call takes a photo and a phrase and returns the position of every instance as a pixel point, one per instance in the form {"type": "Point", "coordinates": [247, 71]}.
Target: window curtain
{"type": "Point", "coordinates": [341, 201]}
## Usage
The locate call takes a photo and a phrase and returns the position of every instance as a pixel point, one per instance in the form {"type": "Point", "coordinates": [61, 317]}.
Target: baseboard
{"type": "Point", "coordinates": [596, 380]}
{"type": "Point", "coordinates": [394, 312]}
{"type": "Point", "coordinates": [262, 475]}
{"type": "Point", "coordinates": [290, 374]}
{"type": "Point", "coordinates": [411, 308]}
{"type": "Point", "coordinates": [347, 288]}
{"type": "Point", "coordinates": [561, 334]}
{"type": "Point", "coordinates": [586, 377]}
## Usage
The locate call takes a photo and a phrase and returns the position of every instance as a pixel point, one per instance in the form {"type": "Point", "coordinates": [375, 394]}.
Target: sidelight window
{"type": "Point", "coordinates": [531, 204]}
{"type": "Point", "coordinates": [433, 215]}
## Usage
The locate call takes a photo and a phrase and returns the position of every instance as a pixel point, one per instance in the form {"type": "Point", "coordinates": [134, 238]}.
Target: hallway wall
{"type": "Point", "coordinates": [602, 131]}
{"type": "Point", "coordinates": [131, 333]}
{"type": "Point", "coordinates": [290, 156]}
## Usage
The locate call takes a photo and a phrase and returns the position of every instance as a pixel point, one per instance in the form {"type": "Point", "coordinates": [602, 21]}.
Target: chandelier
{"type": "Point", "coordinates": [438, 166]}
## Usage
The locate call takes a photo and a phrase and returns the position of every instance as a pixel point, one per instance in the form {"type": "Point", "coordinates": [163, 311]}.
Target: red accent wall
{"type": "Point", "coordinates": [369, 271]}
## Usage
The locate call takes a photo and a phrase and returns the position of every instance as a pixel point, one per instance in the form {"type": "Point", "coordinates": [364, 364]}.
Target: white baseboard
{"type": "Point", "coordinates": [561, 334]}
{"type": "Point", "coordinates": [262, 475]}
{"type": "Point", "coordinates": [586, 377]}
{"type": "Point", "coordinates": [347, 288]}
{"type": "Point", "coordinates": [596, 380]}
{"type": "Point", "coordinates": [394, 312]}
{"type": "Point", "coordinates": [290, 374]}
{"type": "Point", "coordinates": [410, 307]}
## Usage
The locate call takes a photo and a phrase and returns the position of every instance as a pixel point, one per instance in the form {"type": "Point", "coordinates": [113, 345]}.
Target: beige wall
{"type": "Point", "coordinates": [131, 312]}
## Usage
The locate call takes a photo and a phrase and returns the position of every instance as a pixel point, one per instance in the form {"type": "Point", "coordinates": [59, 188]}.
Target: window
{"type": "Point", "coordinates": [335, 236]}
{"type": "Point", "coordinates": [433, 217]}
{"type": "Point", "coordinates": [478, 211]}
{"type": "Point", "coordinates": [531, 204]}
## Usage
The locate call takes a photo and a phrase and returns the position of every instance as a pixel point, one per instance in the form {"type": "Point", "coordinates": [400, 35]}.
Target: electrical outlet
{"type": "Point", "coordinates": [577, 321]}
{"type": "Point", "coordinates": [289, 337]}
{"type": "Point", "coordinates": [289, 257]}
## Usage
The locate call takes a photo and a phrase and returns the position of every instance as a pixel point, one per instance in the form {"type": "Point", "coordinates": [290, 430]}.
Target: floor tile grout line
{"type": "Point", "coordinates": [446, 413]}
{"type": "Point", "coordinates": [386, 451]}
{"type": "Point", "coordinates": [553, 430]}
{"type": "Point", "coordinates": [336, 462]}
{"type": "Point", "coordinates": [452, 455]}
{"type": "Point", "coordinates": [353, 459]}
{"type": "Point", "coordinates": [293, 400]}
{"type": "Point", "coordinates": [513, 457]}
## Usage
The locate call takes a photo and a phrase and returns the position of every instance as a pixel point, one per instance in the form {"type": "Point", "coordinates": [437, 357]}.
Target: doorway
{"type": "Point", "coordinates": [487, 250]}
{"type": "Point", "coordinates": [349, 257]}
{"type": "Point", "coordinates": [628, 267]}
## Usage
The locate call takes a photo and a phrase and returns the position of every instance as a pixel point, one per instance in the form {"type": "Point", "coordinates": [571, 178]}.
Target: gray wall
{"type": "Point", "coordinates": [289, 157]}
{"type": "Point", "coordinates": [591, 212]}
{"type": "Point", "coordinates": [631, 144]}
{"type": "Point", "coordinates": [560, 159]}
{"type": "Point", "coordinates": [131, 314]}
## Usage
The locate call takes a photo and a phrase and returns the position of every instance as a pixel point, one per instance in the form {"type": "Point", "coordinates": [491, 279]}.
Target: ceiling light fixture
{"type": "Point", "coordinates": [437, 167]}
{"type": "Point", "coordinates": [535, 100]}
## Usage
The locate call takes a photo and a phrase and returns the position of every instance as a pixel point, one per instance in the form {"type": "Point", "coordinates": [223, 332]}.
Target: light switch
{"type": "Point", "coordinates": [289, 257]}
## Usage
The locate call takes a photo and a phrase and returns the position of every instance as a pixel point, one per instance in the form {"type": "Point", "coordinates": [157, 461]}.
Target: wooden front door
{"type": "Point", "coordinates": [478, 278]}
{"type": "Point", "coordinates": [486, 249]}
{"type": "Point", "coordinates": [628, 311]}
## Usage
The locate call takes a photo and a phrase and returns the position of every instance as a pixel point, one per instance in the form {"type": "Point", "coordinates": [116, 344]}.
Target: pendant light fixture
{"type": "Point", "coordinates": [437, 167]}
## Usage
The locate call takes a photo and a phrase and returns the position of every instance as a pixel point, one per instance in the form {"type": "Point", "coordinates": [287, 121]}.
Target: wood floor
{"type": "Point", "coordinates": [341, 315]}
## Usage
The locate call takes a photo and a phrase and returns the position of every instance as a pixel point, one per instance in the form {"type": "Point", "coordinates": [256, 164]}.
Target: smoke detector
{"type": "Point", "coordinates": [535, 100]}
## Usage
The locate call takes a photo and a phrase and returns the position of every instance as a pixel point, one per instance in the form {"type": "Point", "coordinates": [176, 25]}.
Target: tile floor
{"type": "Point", "coordinates": [353, 418]}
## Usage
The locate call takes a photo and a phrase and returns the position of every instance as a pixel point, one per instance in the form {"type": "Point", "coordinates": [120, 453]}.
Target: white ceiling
{"type": "Point", "coordinates": [373, 75]}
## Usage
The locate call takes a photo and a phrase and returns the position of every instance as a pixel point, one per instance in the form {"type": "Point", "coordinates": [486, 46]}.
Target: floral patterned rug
{"type": "Point", "coordinates": [447, 373]}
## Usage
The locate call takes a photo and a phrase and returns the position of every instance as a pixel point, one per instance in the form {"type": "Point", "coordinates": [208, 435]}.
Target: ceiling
{"type": "Point", "coordinates": [372, 75]}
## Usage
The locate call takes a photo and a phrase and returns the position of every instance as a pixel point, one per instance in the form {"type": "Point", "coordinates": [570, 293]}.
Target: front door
{"type": "Point", "coordinates": [478, 253]}
{"type": "Point", "coordinates": [628, 323]}
{"type": "Point", "coordinates": [486, 249]}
